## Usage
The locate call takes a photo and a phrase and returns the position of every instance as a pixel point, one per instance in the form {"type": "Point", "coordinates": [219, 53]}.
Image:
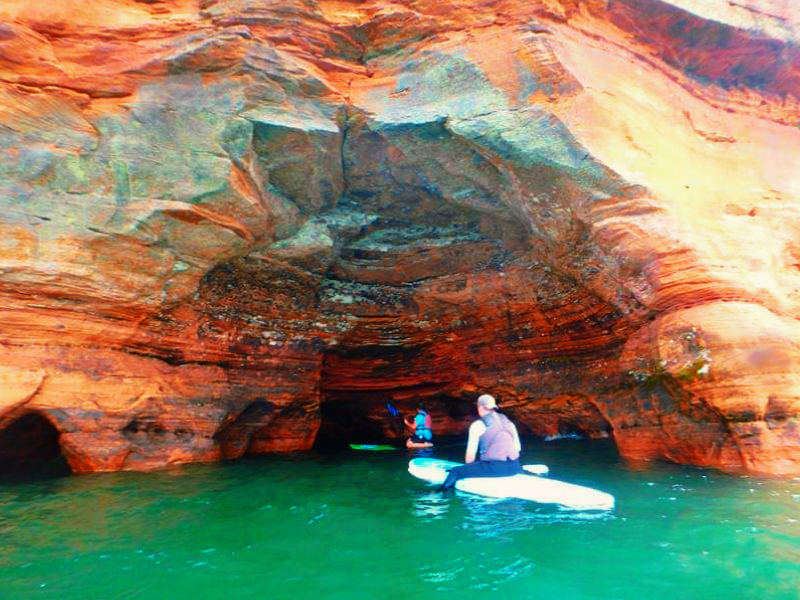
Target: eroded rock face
{"type": "Point", "coordinates": [230, 226]}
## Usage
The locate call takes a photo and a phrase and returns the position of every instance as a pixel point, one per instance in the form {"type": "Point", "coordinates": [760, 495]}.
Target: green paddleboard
{"type": "Point", "coordinates": [372, 447]}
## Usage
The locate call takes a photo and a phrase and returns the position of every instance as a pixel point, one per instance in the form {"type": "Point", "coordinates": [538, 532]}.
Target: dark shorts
{"type": "Point", "coordinates": [418, 439]}
{"type": "Point", "coordinates": [482, 468]}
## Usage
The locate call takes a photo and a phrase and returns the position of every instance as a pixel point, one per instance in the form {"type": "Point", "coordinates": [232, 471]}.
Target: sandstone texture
{"type": "Point", "coordinates": [240, 226]}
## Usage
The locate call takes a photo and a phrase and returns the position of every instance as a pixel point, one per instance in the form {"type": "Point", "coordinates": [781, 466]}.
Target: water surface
{"type": "Point", "coordinates": [357, 525]}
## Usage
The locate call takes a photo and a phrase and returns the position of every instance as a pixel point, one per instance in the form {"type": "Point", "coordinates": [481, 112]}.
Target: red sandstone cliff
{"type": "Point", "coordinates": [228, 226]}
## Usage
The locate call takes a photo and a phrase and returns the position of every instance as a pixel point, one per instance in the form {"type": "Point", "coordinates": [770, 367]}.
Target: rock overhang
{"type": "Point", "coordinates": [341, 202]}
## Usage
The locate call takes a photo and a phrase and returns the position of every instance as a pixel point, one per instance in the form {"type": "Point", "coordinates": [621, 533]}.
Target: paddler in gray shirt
{"type": "Point", "coordinates": [498, 441]}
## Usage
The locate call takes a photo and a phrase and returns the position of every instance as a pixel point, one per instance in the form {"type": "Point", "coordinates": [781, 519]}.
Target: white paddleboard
{"type": "Point", "coordinates": [525, 487]}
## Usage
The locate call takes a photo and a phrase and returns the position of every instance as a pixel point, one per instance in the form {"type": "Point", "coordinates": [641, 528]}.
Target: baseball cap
{"type": "Point", "coordinates": [487, 401]}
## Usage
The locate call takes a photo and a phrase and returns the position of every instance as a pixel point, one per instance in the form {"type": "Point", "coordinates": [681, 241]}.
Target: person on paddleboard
{"type": "Point", "coordinates": [496, 437]}
{"type": "Point", "coordinates": [421, 425]}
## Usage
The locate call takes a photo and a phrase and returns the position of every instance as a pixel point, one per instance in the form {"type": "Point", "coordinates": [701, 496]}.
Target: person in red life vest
{"type": "Point", "coordinates": [496, 437]}
{"type": "Point", "coordinates": [421, 425]}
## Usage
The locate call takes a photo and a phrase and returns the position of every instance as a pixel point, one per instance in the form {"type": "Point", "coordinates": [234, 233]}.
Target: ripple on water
{"type": "Point", "coordinates": [352, 526]}
{"type": "Point", "coordinates": [429, 505]}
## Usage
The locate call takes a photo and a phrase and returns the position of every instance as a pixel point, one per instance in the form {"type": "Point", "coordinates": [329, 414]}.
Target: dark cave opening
{"type": "Point", "coordinates": [360, 418]}
{"type": "Point", "coordinates": [346, 421]}
{"type": "Point", "coordinates": [30, 444]}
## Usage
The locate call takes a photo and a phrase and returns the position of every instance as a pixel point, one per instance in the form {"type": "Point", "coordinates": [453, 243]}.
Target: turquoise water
{"type": "Point", "coordinates": [356, 525]}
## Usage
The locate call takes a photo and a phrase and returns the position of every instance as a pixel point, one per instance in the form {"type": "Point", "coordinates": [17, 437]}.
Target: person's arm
{"type": "Point", "coordinates": [517, 445]}
{"type": "Point", "coordinates": [410, 423]}
{"type": "Point", "coordinates": [476, 430]}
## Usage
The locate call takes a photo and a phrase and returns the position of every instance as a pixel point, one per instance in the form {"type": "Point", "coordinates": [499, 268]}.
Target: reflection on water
{"type": "Point", "coordinates": [424, 452]}
{"type": "Point", "coordinates": [442, 572]}
{"type": "Point", "coordinates": [429, 505]}
{"type": "Point", "coordinates": [493, 517]}
{"type": "Point", "coordinates": [357, 525]}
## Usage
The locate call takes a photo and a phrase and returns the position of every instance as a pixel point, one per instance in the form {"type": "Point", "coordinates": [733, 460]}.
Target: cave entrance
{"type": "Point", "coordinates": [358, 420]}
{"type": "Point", "coordinates": [29, 444]}
{"type": "Point", "coordinates": [377, 418]}
{"type": "Point", "coordinates": [567, 416]}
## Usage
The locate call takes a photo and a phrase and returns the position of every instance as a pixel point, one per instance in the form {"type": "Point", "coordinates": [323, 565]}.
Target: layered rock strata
{"type": "Point", "coordinates": [238, 226]}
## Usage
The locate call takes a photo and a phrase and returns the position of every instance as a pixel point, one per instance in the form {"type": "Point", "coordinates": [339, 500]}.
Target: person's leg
{"type": "Point", "coordinates": [501, 468]}
{"type": "Point", "coordinates": [474, 469]}
{"type": "Point", "coordinates": [482, 468]}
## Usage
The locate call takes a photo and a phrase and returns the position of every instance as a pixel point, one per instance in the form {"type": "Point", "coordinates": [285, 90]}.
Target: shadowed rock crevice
{"type": "Point", "coordinates": [30, 442]}
{"type": "Point", "coordinates": [236, 436]}
{"type": "Point", "coordinates": [565, 416]}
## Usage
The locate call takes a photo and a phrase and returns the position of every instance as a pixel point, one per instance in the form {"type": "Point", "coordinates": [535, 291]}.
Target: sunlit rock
{"type": "Point", "coordinates": [238, 226]}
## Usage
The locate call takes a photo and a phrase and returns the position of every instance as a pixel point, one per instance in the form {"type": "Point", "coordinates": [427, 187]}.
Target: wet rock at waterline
{"type": "Point", "coordinates": [237, 227]}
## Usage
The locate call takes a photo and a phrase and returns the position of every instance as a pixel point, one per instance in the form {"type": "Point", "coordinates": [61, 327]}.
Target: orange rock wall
{"type": "Point", "coordinates": [232, 226]}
